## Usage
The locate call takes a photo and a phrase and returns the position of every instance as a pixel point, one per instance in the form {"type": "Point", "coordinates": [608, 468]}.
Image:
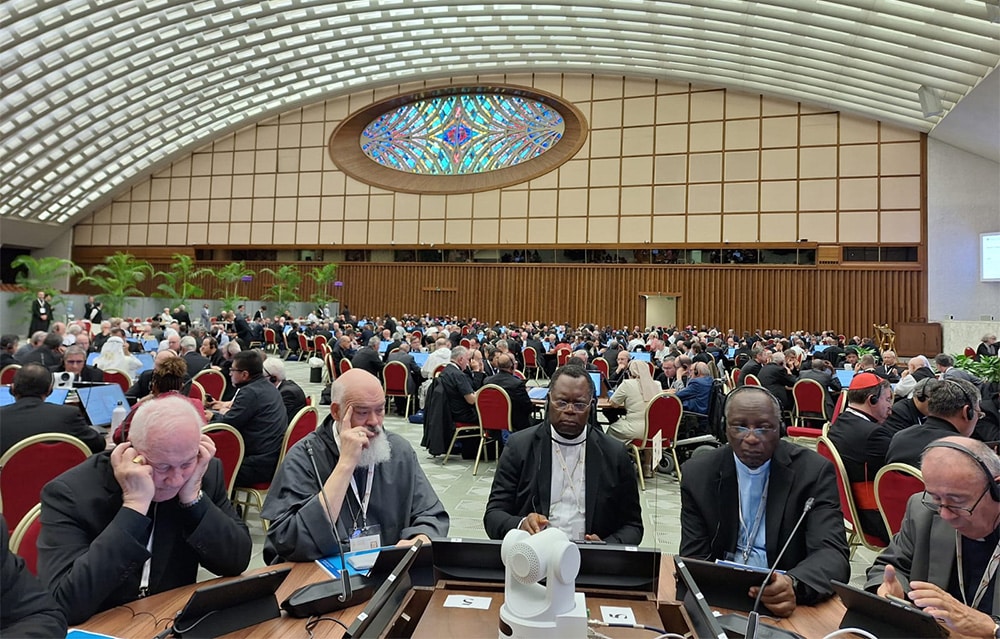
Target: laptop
{"type": "Point", "coordinates": [884, 618]}
{"type": "Point", "coordinates": [150, 345]}
{"type": "Point", "coordinates": [731, 353]}
{"type": "Point", "coordinates": [538, 392]}
{"type": "Point", "coordinates": [642, 356]}
{"type": "Point", "coordinates": [703, 620]}
{"type": "Point", "coordinates": [383, 347]}
{"type": "Point", "coordinates": [57, 396]}
{"type": "Point", "coordinates": [91, 358]}
{"type": "Point", "coordinates": [725, 585]}
{"type": "Point", "coordinates": [147, 362]}
{"type": "Point", "coordinates": [420, 358]}
{"type": "Point", "coordinates": [844, 376]}
{"type": "Point", "coordinates": [222, 608]}
{"type": "Point", "coordinates": [99, 401]}
{"type": "Point", "coordinates": [819, 348]}
{"type": "Point", "coordinates": [596, 377]}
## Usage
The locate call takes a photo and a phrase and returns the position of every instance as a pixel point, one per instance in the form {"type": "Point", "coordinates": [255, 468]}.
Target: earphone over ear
{"type": "Point", "coordinates": [992, 485]}
{"type": "Point", "coordinates": [970, 412]}
{"type": "Point", "coordinates": [874, 397]}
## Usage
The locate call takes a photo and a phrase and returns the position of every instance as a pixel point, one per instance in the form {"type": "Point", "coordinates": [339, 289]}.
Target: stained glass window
{"type": "Point", "coordinates": [462, 134]}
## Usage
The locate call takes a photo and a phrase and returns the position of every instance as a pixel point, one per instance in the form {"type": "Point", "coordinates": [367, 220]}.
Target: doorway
{"type": "Point", "coordinates": [661, 310]}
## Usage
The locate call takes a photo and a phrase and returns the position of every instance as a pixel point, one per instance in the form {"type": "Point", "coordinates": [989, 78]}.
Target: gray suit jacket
{"type": "Point", "coordinates": [923, 550]}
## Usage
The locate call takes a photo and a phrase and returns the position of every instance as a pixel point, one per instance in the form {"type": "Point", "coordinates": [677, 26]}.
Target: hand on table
{"type": "Point", "coordinates": [535, 523]}
{"type": "Point", "coordinates": [404, 543]}
{"type": "Point", "coordinates": [779, 595]}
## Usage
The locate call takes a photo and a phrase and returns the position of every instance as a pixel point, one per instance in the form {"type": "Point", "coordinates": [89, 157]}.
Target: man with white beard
{"type": "Point", "coordinates": [369, 477]}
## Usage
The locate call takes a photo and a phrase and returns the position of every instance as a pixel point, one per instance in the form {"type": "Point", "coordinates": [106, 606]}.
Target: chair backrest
{"type": "Point", "coordinates": [736, 376]}
{"type": "Point", "coordinates": [24, 538]}
{"type": "Point", "coordinates": [839, 406]}
{"type": "Point", "coordinates": [303, 343]}
{"type": "Point", "coordinates": [826, 448]}
{"type": "Point", "coordinates": [30, 464]}
{"type": "Point", "coordinates": [652, 368]}
{"type": "Point", "coordinates": [319, 343]}
{"type": "Point", "coordinates": [810, 397]}
{"type": "Point", "coordinates": [212, 381]}
{"type": "Point", "coordinates": [269, 336]}
{"type": "Point", "coordinates": [465, 342]}
{"type": "Point", "coordinates": [345, 365]}
{"type": "Point", "coordinates": [438, 369]}
{"type": "Point", "coordinates": [970, 352]}
{"type": "Point", "coordinates": [894, 485]}
{"type": "Point", "coordinates": [493, 407]}
{"type": "Point", "coordinates": [518, 374]}
{"type": "Point", "coordinates": [562, 355]}
{"type": "Point", "coordinates": [394, 378]}
{"type": "Point", "coordinates": [418, 334]}
{"type": "Point", "coordinates": [751, 380]}
{"type": "Point", "coordinates": [229, 449]}
{"type": "Point", "coordinates": [7, 374]}
{"type": "Point", "coordinates": [663, 415]}
{"type": "Point", "coordinates": [118, 377]}
{"type": "Point", "coordinates": [601, 364]}
{"type": "Point", "coordinates": [304, 422]}
{"type": "Point", "coordinates": [197, 392]}
{"type": "Point", "coordinates": [530, 357]}
{"type": "Point", "coordinates": [331, 370]}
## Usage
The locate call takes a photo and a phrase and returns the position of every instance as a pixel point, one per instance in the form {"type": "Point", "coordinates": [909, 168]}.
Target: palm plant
{"type": "Point", "coordinates": [230, 277]}
{"type": "Point", "coordinates": [284, 291]}
{"type": "Point", "coordinates": [324, 276]}
{"type": "Point", "coordinates": [40, 274]}
{"type": "Point", "coordinates": [178, 286]}
{"type": "Point", "coordinates": [117, 278]}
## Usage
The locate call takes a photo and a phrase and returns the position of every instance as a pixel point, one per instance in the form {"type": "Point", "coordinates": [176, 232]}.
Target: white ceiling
{"type": "Point", "coordinates": [96, 94]}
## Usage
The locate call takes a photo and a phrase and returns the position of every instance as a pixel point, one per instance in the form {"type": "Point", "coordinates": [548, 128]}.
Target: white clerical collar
{"type": "Point", "coordinates": [565, 441]}
{"type": "Point", "coordinates": [746, 470]}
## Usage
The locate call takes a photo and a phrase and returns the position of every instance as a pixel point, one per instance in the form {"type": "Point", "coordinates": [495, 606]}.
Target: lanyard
{"type": "Point", "coordinates": [368, 495]}
{"type": "Point", "coordinates": [988, 572]}
{"type": "Point", "coordinates": [146, 567]}
{"type": "Point", "coordinates": [758, 518]}
{"type": "Point", "coordinates": [568, 475]}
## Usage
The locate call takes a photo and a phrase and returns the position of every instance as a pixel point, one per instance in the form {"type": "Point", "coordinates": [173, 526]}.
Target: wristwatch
{"type": "Point", "coordinates": [996, 626]}
{"type": "Point", "coordinates": [191, 504]}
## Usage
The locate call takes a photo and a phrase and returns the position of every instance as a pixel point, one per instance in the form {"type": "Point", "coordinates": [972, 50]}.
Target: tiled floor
{"type": "Point", "coordinates": [464, 495]}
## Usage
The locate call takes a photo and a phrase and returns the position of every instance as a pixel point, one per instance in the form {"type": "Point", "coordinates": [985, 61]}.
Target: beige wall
{"type": "Point", "coordinates": [663, 163]}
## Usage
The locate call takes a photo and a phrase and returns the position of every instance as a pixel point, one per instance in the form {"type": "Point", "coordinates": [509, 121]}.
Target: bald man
{"type": "Point", "coordinates": [140, 519]}
{"type": "Point", "coordinates": [520, 403]}
{"type": "Point", "coordinates": [371, 483]}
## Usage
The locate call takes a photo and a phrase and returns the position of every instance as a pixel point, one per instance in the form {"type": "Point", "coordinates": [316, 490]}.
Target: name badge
{"type": "Point", "coordinates": [367, 538]}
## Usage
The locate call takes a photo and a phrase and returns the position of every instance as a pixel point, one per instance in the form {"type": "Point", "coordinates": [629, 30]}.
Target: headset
{"type": "Point", "coordinates": [992, 484]}
{"type": "Point", "coordinates": [740, 389]}
{"type": "Point", "coordinates": [970, 412]}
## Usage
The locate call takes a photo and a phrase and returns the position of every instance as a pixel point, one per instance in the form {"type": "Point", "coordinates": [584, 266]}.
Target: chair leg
{"type": "Point", "coordinates": [677, 463]}
{"type": "Point", "coordinates": [451, 446]}
{"type": "Point", "coordinates": [638, 466]}
{"type": "Point", "coordinates": [479, 454]}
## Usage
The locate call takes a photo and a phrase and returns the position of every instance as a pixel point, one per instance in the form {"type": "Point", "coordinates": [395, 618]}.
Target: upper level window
{"type": "Point", "coordinates": [458, 139]}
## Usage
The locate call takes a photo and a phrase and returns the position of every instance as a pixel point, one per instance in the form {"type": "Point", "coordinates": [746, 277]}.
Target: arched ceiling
{"type": "Point", "coordinates": [98, 93]}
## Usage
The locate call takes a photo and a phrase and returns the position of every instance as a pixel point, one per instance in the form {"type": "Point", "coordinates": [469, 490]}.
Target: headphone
{"type": "Point", "coordinates": [876, 395]}
{"type": "Point", "coordinates": [744, 388]}
{"type": "Point", "coordinates": [970, 412]}
{"type": "Point", "coordinates": [992, 484]}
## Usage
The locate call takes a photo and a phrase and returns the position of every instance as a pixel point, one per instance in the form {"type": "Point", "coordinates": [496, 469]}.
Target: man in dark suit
{"type": "Point", "coordinates": [48, 354]}
{"type": "Point", "coordinates": [292, 395]}
{"type": "Point", "coordinates": [75, 361]}
{"type": "Point", "coordinates": [368, 358]}
{"type": "Point", "coordinates": [520, 403]}
{"type": "Point", "coordinates": [41, 314]}
{"type": "Point", "coordinates": [30, 415]}
{"type": "Point", "coordinates": [8, 346]}
{"type": "Point", "coordinates": [598, 497]}
{"type": "Point", "coordinates": [196, 362]}
{"type": "Point", "coordinates": [725, 515]}
{"type": "Point", "coordinates": [183, 318]}
{"type": "Point", "coordinates": [953, 409]}
{"type": "Point", "coordinates": [158, 500]}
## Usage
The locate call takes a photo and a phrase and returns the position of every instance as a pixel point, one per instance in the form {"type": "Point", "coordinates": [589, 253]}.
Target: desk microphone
{"type": "Point", "coordinates": [753, 629]}
{"type": "Point", "coordinates": [334, 594]}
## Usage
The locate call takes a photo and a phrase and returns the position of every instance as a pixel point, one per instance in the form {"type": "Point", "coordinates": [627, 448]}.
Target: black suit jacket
{"type": "Point", "coordinates": [710, 515]}
{"type": "Point", "coordinates": [907, 445]}
{"type": "Point", "coordinates": [368, 359]}
{"type": "Point", "coordinates": [141, 387]}
{"type": "Point", "coordinates": [520, 403]}
{"type": "Point", "coordinates": [523, 480]}
{"type": "Point", "coordinates": [196, 362]}
{"type": "Point", "coordinates": [32, 416]}
{"type": "Point", "coordinates": [293, 397]}
{"type": "Point", "coordinates": [91, 551]}
{"type": "Point", "coordinates": [259, 414]}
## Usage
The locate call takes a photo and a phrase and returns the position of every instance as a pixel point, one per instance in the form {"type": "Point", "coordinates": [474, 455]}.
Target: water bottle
{"type": "Point", "coordinates": [117, 416]}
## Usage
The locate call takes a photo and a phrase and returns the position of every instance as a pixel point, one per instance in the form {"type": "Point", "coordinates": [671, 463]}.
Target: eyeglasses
{"type": "Point", "coordinates": [936, 506]}
{"type": "Point", "coordinates": [236, 370]}
{"type": "Point", "coordinates": [74, 361]}
{"type": "Point", "coordinates": [760, 433]}
{"type": "Point", "coordinates": [579, 407]}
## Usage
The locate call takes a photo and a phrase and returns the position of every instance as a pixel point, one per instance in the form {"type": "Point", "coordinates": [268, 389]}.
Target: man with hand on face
{"type": "Point", "coordinates": [561, 473]}
{"type": "Point", "coordinates": [141, 518]}
{"type": "Point", "coordinates": [370, 480]}
{"type": "Point", "coordinates": [741, 502]}
{"type": "Point", "coordinates": [944, 558]}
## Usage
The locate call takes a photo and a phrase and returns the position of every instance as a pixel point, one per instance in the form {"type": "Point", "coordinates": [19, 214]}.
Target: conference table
{"type": "Point", "coordinates": [146, 617]}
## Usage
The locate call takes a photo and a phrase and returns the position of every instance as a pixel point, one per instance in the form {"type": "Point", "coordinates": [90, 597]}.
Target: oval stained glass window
{"type": "Point", "coordinates": [458, 139]}
{"type": "Point", "coordinates": [462, 134]}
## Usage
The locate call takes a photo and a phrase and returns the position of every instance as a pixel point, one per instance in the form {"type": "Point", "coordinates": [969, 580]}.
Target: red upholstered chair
{"type": "Point", "coordinates": [7, 374]}
{"type": "Point", "coordinates": [810, 406]}
{"type": "Point", "coordinates": [30, 464]}
{"type": "Point", "coordinates": [736, 376]}
{"type": "Point", "coordinates": [562, 354]}
{"type": "Point", "coordinates": [601, 364]}
{"type": "Point", "coordinates": [856, 536]}
{"type": "Point", "coordinates": [518, 374]}
{"type": "Point", "coordinates": [493, 407]}
{"type": "Point", "coordinates": [304, 422]}
{"type": "Point", "coordinates": [118, 377]}
{"type": "Point", "coordinates": [395, 377]}
{"type": "Point", "coordinates": [24, 538]}
{"type": "Point", "coordinates": [663, 415]}
{"type": "Point", "coordinates": [894, 485]}
{"type": "Point", "coordinates": [438, 369]}
{"type": "Point", "coordinates": [970, 352]}
{"type": "Point", "coordinates": [304, 349]}
{"type": "Point", "coordinates": [197, 392]}
{"type": "Point", "coordinates": [419, 335]}
{"type": "Point", "coordinates": [465, 342]}
{"type": "Point", "coordinates": [270, 340]}
{"type": "Point", "coordinates": [531, 362]}
{"type": "Point", "coordinates": [329, 369]}
{"type": "Point", "coordinates": [751, 380]}
{"type": "Point", "coordinates": [229, 449]}
{"type": "Point", "coordinates": [320, 346]}
{"type": "Point", "coordinates": [652, 368]}
{"type": "Point", "coordinates": [212, 381]}
{"type": "Point", "coordinates": [345, 365]}
{"type": "Point", "coordinates": [839, 406]}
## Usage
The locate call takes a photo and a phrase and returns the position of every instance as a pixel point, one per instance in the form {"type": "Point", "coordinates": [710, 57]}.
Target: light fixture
{"type": "Point", "coordinates": [930, 101]}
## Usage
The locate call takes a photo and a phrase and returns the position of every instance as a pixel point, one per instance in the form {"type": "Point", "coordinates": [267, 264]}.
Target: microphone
{"type": "Point", "coordinates": [753, 629]}
{"type": "Point", "coordinates": [334, 594]}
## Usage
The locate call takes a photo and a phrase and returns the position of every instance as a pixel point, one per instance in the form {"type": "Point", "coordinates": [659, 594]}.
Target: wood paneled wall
{"type": "Point", "coordinates": [845, 299]}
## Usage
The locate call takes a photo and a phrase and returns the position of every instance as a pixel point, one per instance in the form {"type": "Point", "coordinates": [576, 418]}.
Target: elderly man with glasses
{"type": "Point", "coordinates": [944, 558]}
{"type": "Point", "coordinates": [741, 503]}
{"type": "Point", "coordinates": [566, 474]}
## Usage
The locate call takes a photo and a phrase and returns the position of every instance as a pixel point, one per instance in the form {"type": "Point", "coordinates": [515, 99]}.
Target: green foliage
{"type": "Point", "coordinates": [986, 369]}
{"type": "Point", "coordinates": [117, 278]}
{"type": "Point", "coordinates": [230, 276]}
{"type": "Point", "coordinates": [40, 274]}
{"type": "Point", "coordinates": [177, 285]}
{"type": "Point", "coordinates": [324, 276]}
{"type": "Point", "coordinates": [284, 291]}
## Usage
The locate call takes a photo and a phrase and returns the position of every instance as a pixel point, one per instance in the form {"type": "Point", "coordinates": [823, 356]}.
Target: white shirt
{"type": "Point", "coordinates": [568, 504]}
